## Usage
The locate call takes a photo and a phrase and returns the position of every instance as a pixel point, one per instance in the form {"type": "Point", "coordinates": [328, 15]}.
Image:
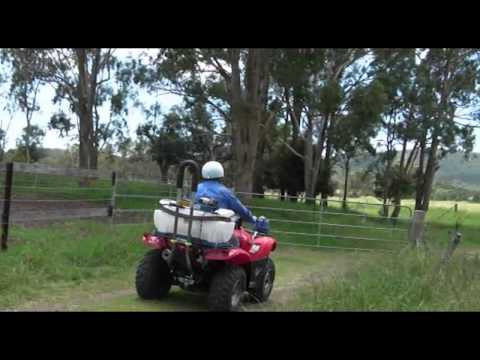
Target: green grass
{"type": "Point", "coordinates": [292, 266]}
{"type": "Point", "coordinates": [35, 186]}
{"type": "Point", "coordinates": [48, 260]}
{"type": "Point", "coordinates": [442, 219]}
{"type": "Point", "coordinates": [407, 281]}
{"type": "Point", "coordinates": [69, 263]}
{"type": "Point", "coordinates": [65, 255]}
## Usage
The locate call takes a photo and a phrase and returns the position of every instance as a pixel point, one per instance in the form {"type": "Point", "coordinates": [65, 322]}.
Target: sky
{"type": "Point", "coordinates": [14, 123]}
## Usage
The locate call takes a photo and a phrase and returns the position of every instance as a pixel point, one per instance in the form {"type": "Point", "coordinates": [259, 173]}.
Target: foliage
{"type": "Point", "coordinates": [34, 143]}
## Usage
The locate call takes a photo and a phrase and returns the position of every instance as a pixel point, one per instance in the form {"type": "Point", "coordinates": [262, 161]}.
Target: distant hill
{"type": "Point", "coordinates": [454, 169]}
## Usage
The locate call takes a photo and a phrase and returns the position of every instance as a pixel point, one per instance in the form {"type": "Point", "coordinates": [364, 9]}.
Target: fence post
{"type": "Point", "coordinates": [417, 228]}
{"type": "Point", "coordinates": [111, 207]}
{"type": "Point", "coordinates": [320, 219]}
{"type": "Point", "coordinates": [452, 245]}
{"type": "Point", "coordinates": [7, 195]}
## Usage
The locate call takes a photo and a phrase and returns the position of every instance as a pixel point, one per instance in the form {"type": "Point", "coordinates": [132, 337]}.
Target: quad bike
{"type": "Point", "coordinates": [192, 249]}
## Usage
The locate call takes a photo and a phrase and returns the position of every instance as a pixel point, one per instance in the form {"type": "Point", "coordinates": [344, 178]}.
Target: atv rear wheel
{"type": "Point", "coordinates": [153, 279]}
{"type": "Point", "coordinates": [264, 283]}
{"type": "Point", "coordinates": [227, 289]}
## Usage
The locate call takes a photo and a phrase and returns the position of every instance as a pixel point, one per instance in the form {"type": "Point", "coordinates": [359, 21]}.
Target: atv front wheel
{"type": "Point", "coordinates": [153, 279]}
{"type": "Point", "coordinates": [227, 289]}
{"type": "Point", "coordinates": [264, 283]}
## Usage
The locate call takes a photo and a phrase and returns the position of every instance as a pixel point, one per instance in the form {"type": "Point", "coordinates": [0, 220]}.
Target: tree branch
{"type": "Point", "coordinates": [221, 69]}
{"type": "Point", "coordinates": [291, 149]}
{"type": "Point", "coordinates": [183, 93]}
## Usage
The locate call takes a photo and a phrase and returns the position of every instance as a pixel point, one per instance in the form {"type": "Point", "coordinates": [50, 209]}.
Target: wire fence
{"type": "Point", "coordinates": [40, 196]}
{"type": "Point", "coordinates": [298, 223]}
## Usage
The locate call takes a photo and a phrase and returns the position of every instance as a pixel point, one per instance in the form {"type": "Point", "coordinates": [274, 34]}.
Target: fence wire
{"type": "Point", "coordinates": [295, 221]}
{"type": "Point", "coordinates": [302, 225]}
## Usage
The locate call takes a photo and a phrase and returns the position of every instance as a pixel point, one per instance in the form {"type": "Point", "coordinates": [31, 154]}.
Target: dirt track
{"type": "Point", "coordinates": [122, 296]}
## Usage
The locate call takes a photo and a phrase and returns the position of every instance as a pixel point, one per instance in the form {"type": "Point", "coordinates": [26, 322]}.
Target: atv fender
{"type": "Point", "coordinates": [235, 256]}
{"type": "Point", "coordinates": [262, 247]}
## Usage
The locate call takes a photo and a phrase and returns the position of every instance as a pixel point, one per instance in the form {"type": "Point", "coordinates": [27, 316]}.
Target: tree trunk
{"type": "Point", "coordinates": [87, 158]}
{"type": "Point", "coordinates": [245, 141]}
{"type": "Point", "coordinates": [308, 162]}
{"type": "Point", "coordinates": [258, 179]}
{"type": "Point", "coordinates": [385, 207]}
{"type": "Point", "coordinates": [345, 185]}
{"type": "Point", "coordinates": [27, 138]}
{"type": "Point", "coordinates": [88, 154]}
{"type": "Point", "coordinates": [247, 109]}
{"type": "Point", "coordinates": [431, 169]}
{"type": "Point", "coordinates": [326, 173]}
{"type": "Point", "coordinates": [397, 200]}
{"type": "Point", "coordinates": [259, 174]}
{"type": "Point", "coordinates": [396, 211]}
{"type": "Point", "coordinates": [164, 170]}
{"type": "Point", "coordinates": [420, 175]}
{"type": "Point", "coordinates": [84, 148]}
{"type": "Point", "coordinates": [297, 113]}
{"type": "Point", "coordinates": [93, 155]}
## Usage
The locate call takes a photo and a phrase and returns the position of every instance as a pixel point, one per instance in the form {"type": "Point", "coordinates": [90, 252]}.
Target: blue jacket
{"type": "Point", "coordinates": [225, 198]}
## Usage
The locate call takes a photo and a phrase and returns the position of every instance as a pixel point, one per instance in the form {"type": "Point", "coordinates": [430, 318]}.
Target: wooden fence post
{"type": "Point", "coordinates": [111, 207]}
{"type": "Point", "coordinates": [417, 228]}
{"type": "Point", "coordinates": [452, 245]}
{"type": "Point", "coordinates": [7, 195]}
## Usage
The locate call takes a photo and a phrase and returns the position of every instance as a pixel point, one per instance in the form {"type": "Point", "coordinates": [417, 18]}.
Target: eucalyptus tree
{"type": "Point", "coordinates": [447, 82]}
{"type": "Point", "coordinates": [320, 88]}
{"type": "Point", "coordinates": [233, 83]}
{"type": "Point", "coordinates": [30, 144]}
{"type": "Point", "coordinates": [81, 77]}
{"type": "Point", "coordinates": [182, 133]}
{"type": "Point", "coordinates": [24, 91]}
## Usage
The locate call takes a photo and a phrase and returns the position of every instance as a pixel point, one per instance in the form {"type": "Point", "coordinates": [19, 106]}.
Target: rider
{"type": "Point", "coordinates": [211, 187]}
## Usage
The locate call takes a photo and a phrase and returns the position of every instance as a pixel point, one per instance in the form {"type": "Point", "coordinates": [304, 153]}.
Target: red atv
{"type": "Point", "coordinates": [191, 249]}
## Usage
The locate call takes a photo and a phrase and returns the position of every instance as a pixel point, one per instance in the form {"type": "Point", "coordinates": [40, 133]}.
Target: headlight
{"type": "Point", "coordinates": [254, 248]}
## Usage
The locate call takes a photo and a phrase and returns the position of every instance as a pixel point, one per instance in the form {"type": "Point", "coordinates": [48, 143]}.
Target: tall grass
{"type": "Point", "coordinates": [42, 259]}
{"type": "Point", "coordinates": [406, 281]}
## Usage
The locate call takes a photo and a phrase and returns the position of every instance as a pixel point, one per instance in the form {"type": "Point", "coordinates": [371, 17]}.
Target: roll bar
{"type": "Point", "coordinates": [194, 170]}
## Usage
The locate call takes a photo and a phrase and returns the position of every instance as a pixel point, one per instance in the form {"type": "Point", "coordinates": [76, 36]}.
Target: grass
{"type": "Point", "coordinates": [440, 211]}
{"type": "Point", "coordinates": [76, 262]}
{"type": "Point", "coordinates": [442, 219]}
{"type": "Point", "coordinates": [293, 265]}
{"type": "Point", "coordinates": [68, 187]}
{"type": "Point", "coordinates": [407, 281]}
{"type": "Point", "coordinates": [87, 256]}
{"type": "Point", "coordinates": [40, 260]}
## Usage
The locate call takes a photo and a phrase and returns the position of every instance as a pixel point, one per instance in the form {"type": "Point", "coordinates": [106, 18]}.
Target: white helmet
{"type": "Point", "coordinates": [212, 170]}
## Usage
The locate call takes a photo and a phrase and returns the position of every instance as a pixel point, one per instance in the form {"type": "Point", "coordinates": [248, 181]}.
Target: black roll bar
{"type": "Point", "coordinates": [194, 170]}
